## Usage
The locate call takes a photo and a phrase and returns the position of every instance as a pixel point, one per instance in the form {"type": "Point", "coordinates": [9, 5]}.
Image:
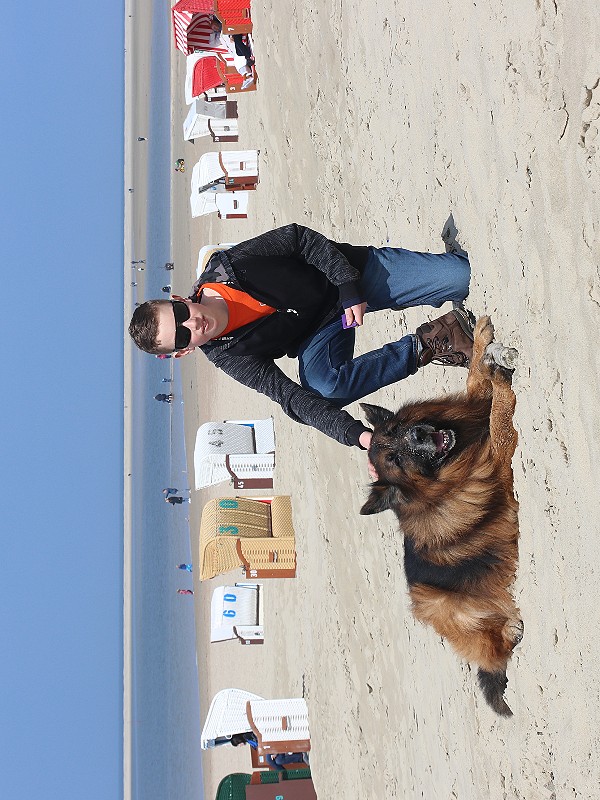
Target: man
{"type": "Point", "coordinates": [285, 293]}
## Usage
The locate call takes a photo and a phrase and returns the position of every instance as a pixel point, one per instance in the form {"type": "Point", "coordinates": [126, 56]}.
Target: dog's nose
{"type": "Point", "coordinates": [420, 434]}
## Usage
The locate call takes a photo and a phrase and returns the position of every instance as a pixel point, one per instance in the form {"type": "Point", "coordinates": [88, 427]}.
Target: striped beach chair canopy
{"type": "Point", "coordinates": [191, 21]}
{"type": "Point", "coordinates": [191, 24]}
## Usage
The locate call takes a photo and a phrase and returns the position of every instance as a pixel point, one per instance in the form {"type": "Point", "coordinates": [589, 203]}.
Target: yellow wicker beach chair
{"type": "Point", "coordinates": [240, 531]}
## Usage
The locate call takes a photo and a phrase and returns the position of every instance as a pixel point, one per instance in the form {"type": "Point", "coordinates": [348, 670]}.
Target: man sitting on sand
{"type": "Point", "coordinates": [293, 292]}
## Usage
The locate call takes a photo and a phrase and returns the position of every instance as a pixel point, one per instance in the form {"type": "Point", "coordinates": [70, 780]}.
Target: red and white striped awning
{"type": "Point", "coordinates": [191, 24]}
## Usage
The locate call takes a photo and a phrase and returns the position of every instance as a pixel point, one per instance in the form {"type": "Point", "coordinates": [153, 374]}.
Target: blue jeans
{"type": "Point", "coordinates": [393, 278]}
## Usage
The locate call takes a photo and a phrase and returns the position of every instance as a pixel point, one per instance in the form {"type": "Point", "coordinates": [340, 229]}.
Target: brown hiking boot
{"type": "Point", "coordinates": [447, 340]}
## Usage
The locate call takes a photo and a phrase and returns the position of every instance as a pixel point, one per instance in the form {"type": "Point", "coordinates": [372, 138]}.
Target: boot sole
{"type": "Point", "coordinates": [466, 321]}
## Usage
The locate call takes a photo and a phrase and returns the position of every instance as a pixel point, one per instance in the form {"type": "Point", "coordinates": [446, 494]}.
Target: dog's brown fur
{"type": "Point", "coordinates": [459, 517]}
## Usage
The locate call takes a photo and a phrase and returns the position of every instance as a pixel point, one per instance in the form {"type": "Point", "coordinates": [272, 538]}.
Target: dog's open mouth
{"type": "Point", "coordinates": [444, 441]}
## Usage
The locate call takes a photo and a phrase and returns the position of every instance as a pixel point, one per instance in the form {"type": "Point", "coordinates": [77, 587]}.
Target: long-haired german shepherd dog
{"type": "Point", "coordinates": [444, 468]}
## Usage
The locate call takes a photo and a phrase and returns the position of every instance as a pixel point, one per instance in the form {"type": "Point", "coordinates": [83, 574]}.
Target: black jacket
{"type": "Point", "coordinates": [308, 279]}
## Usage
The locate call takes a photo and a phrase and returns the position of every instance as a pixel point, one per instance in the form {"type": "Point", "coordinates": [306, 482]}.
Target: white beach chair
{"type": "Point", "coordinates": [237, 168]}
{"type": "Point", "coordinates": [227, 205]}
{"type": "Point", "coordinates": [280, 726]}
{"type": "Point", "coordinates": [226, 717]}
{"type": "Point", "coordinates": [209, 119]}
{"type": "Point", "coordinates": [237, 612]}
{"type": "Point", "coordinates": [239, 450]}
{"type": "Point", "coordinates": [221, 182]}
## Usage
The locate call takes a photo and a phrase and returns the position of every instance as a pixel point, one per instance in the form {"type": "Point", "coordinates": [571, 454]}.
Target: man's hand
{"type": "Point", "coordinates": [365, 441]}
{"type": "Point", "coordinates": [355, 314]}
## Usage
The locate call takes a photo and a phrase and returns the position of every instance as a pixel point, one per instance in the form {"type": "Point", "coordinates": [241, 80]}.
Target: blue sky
{"type": "Point", "coordinates": [62, 239]}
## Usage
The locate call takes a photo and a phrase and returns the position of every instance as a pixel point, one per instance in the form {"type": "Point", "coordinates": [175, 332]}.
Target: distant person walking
{"type": "Point", "coordinates": [167, 380]}
{"type": "Point", "coordinates": [169, 491]}
{"type": "Point", "coordinates": [186, 567]}
{"type": "Point", "coordinates": [142, 138]}
{"type": "Point", "coordinates": [177, 501]}
{"type": "Point", "coordinates": [169, 265]}
{"type": "Point", "coordinates": [163, 398]}
{"type": "Point", "coordinates": [166, 289]}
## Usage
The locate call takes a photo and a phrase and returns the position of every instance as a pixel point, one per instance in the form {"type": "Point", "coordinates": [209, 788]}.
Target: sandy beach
{"type": "Point", "coordinates": [375, 122]}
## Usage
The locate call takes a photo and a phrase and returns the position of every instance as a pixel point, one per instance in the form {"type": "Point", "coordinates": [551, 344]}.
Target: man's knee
{"type": "Point", "coordinates": [326, 386]}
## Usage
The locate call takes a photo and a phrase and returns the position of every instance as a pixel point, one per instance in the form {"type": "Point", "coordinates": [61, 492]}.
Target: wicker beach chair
{"type": "Point", "coordinates": [201, 121]}
{"type": "Point", "coordinates": [237, 612]}
{"type": "Point", "coordinates": [255, 535]}
{"type": "Point", "coordinates": [280, 726]}
{"type": "Point", "coordinates": [221, 182]}
{"type": "Point", "coordinates": [239, 450]}
{"type": "Point", "coordinates": [238, 169]}
{"type": "Point", "coordinates": [207, 70]}
{"type": "Point", "coordinates": [226, 716]}
{"type": "Point", "coordinates": [191, 21]}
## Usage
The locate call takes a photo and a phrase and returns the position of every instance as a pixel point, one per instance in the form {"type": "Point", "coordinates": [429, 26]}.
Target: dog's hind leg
{"type": "Point", "coordinates": [512, 632]}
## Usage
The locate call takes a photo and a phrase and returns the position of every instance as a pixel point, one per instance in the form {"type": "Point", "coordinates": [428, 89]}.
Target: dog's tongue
{"type": "Point", "coordinates": [438, 438]}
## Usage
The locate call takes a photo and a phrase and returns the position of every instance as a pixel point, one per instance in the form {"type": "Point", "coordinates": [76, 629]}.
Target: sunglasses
{"type": "Point", "coordinates": [183, 335]}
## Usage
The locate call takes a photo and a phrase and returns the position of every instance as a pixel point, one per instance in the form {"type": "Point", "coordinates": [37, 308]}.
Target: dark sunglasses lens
{"type": "Point", "coordinates": [182, 338]}
{"type": "Point", "coordinates": [181, 312]}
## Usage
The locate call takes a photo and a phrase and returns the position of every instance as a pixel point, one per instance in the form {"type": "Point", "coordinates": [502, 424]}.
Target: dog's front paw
{"type": "Point", "coordinates": [497, 355]}
{"type": "Point", "coordinates": [484, 332]}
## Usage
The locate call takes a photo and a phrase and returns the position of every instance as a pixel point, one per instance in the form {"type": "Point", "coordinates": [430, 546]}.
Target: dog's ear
{"type": "Point", "coordinates": [375, 414]}
{"type": "Point", "coordinates": [382, 497]}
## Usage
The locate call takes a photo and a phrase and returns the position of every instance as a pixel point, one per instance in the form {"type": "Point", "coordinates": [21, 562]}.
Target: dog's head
{"type": "Point", "coordinates": [407, 450]}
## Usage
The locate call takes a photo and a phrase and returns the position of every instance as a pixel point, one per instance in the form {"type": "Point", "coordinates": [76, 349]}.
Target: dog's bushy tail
{"type": "Point", "coordinates": [492, 685]}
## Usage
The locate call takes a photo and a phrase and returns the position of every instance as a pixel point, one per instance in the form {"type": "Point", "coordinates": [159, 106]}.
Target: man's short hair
{"type": "Point", "coordinates": [143, 327]}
